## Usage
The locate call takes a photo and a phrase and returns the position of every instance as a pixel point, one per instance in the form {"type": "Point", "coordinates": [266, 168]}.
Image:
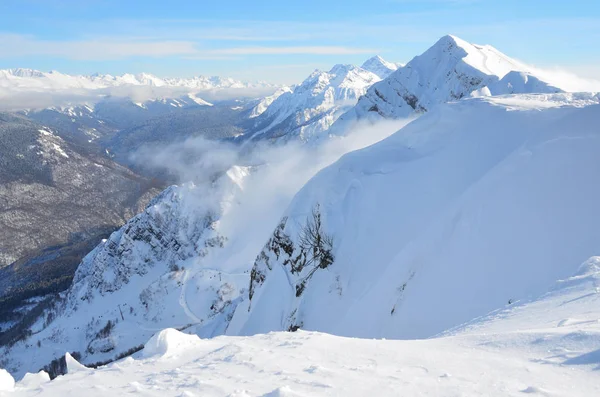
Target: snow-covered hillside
{"type": "Point", "coordinates": [476, 204]}
{"type": "Point", "coordinates": [134, 283]}
{"type": "Point", "coordinates": [549, 346]}
{"type": "Point", "coordinates": [263, 103]}
{"type": "Point", "coordinates": [313, 106]}
{"type": "Point", "coordinates": [450, 70]}
{"type": "Point", "coordinates": [184, 262]}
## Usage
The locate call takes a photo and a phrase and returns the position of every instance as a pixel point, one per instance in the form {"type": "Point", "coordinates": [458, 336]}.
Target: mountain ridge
{"type": "Point", "coordinates": [451, 69]}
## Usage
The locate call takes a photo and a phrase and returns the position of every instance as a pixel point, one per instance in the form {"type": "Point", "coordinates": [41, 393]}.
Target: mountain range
{"type": "Point", "coordinates": [312, 106]}
{"type": "Point", "coordinates": [450, 70]}
{"type": "Point", "coordinates": [25, 79]}
{"type": "Point", "coordinates": [481, 196]}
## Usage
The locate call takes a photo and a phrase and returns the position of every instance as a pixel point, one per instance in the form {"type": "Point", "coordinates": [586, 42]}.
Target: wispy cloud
{"type": "Point", "coordinates": [313, 50]}
{"type": "Point", "coordinates": [12, 45]}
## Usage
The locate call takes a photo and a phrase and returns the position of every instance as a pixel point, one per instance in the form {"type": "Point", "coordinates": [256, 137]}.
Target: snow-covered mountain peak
{"type": "Point", "coordinates": [449, 70]}
{"type": "Point", "coordinates": [341, 68]}
{"type": "Point", "coordinates": [379, 66]}
{"type": "Point", "coordinates": [484, 58]}
{"type": "Point", "coordinates": [21, 80]}
{"type": "Point", "coordinates": [24, 72]}
{"type": "Point", "coordinates": [314, 104]}
{"type": "Point", "coordinates": [451, 52]}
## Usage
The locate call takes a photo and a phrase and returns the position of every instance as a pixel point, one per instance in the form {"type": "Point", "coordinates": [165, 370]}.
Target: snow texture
{"type": "Point", "coordinates": [73, 366]}
{"type": "Point", "coordinates": [168, 342]}
{"type": "Point", "coordinates": [7, 383]}
{"type": "Point", "coordinates": [547, 346]}
{"type": "Point", "coordinates": [454, 216]}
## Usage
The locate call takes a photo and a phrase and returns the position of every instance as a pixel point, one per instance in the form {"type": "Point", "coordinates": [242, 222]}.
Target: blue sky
{"type": "Point", "coordinates": [283, 41]}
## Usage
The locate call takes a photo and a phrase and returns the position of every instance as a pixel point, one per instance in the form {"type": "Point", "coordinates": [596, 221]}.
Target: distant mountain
{"type": "Point", "coordinates": [88, 122]}
{"type": "Point", "coordinates": [313, 105]}
{"type": "Point", "coordinates": [450, 70]}
{"type": "Point", "coordinates": [24, 79]}
{"type": "Point", "coordinates": [380, 66]}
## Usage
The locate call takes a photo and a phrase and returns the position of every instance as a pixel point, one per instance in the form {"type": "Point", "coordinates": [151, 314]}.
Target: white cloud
{"type": "Point", "coordinates": [312, 50]}
{"type": "Point", "coordinates": [12, 45]}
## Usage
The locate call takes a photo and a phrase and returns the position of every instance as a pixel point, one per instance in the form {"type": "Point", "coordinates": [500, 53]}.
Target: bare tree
{"type": "Point", "coordinates": [315, 248]}
{"type": "Point", "coordinates": [314, 242]}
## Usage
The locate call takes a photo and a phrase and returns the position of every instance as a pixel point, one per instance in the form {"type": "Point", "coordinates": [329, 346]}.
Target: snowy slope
{"type": "Point", "coordinates": [546, 347]}
{"type": "Point", "coordinates": [184, 262]}
{"type": "Point", "coordinates": [263, 104]}
{"type": "Point", "coordinates": [380, 66]}
{"type": "Point", "coordinates": [516, 82]}
{"type": "Point", "coordinates": [135, 282]}
{"type": "Point", "coordinates": [475, 204]}
{"type": "Point", "coordinates": [450, 70]}
{"type": "Point", "coordinates": [312, 106]}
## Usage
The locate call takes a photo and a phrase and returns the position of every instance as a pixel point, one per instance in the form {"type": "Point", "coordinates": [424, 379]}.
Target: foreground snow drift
{"type": "Point", "coordinates": [547, 347]}
{"type": "Point", "coordinates": [480, 203]}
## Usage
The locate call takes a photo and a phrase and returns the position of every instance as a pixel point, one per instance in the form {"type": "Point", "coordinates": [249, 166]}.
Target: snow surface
{"type": "Point", "coordinates": [549, 346]}
{"type": "Point", "coordinates": [7, 383]}
{"type": "Point", "coordinates": [73, 366]}
{"type": "Point", "coordinates": [34, 381]}
{"type": "Point", "coordinates": [169, 342]}
{"type": "Point", "coordinates": [477, 203]}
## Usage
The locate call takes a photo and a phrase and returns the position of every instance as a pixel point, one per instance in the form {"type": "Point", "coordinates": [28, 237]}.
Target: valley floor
{"type": "Point", "coordinates": [549, 346]}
